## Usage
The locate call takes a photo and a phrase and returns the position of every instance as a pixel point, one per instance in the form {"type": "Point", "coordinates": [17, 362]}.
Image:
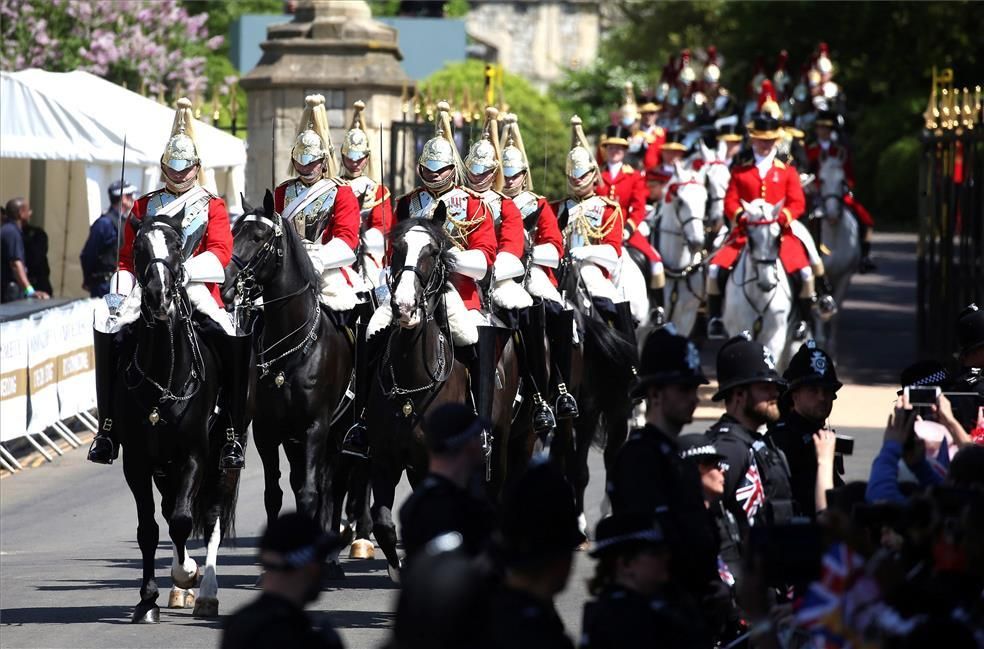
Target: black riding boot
{"type": "Point", "coordinates": [105, 446]}
{"type": "Point", "coordinates": [826, 305]}
{"type": "Point", "coordinates": [560, 329]}
{"type": "Point", "coordinates": [804, 309]}
{"type": "Point", "coordinates": [531, 330]}
{"type": "Point", "coordinates": [625, 325]}
{"type": "Point", "coordinates": [482, 372]}
{"type": "Point", "coordinates": [715, 326]}
{"type": "Point", "coordinates": [657, 317]}
{"type": "Point", "coordinates": [237, 355]}
{"type": "Point", "coordinates": [356, 440]}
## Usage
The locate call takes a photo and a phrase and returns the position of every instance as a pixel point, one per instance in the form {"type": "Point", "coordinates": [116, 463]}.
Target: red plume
{"type": "Point", "coordinates": [824, 49]}
{"type": "Point", "coordinates": [712, 54]}
{"type": "Point", "coordinates": [783, 58]}
{"type": "Point", "coordinates": [767, 93]}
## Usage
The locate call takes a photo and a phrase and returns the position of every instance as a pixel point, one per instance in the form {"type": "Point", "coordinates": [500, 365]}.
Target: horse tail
{"type": "Point", "coordinates": [609, 356]}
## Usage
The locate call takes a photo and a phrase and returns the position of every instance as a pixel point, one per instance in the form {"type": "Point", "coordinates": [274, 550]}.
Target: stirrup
{"type": "Point", "coordinates": [715, 329]}
{"type": "Point", "coordinates": [802, 331]}
{"type": "Point", "coordinates": [543, 417]}
{"type": "Point", "coordinates": [826, 307]}
{"type": "Point", "coordinates": [566, 404]}
{"type": "Point", "coordinates": [103, 450]}
{"type": "Point", "coordinates": [232, 457]}
{"type": "Point", "coordinates": [355, 443]}
{"type": "Point", "coordinates": [657, 317]}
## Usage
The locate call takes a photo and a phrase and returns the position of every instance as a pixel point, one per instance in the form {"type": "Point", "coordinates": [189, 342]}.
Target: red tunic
{"type": "Point", "coordinates": [509, 230]}
{"type": "Point", "coordinates": [381, 216]}
{"type": "Point", "coordinates": [781, 183]}
{"type": "Point", "coordinates": [216, 240]}
{"type": "Point", "coordinates": [481, 238]}
{"type": "Point", "coordinates": [655, 140]}
{"type": "Point", "coordinates": [343, 222]}
{"type": "Point", "coordinates": [629, 189]}
{"type": "Point", "coordinates": [548, 232]}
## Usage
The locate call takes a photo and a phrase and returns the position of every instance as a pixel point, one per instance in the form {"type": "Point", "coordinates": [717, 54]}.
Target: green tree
{"type": "Point", "coordinates": [883, 53]}
{"type": "Point", "coordinates": [545, 131]}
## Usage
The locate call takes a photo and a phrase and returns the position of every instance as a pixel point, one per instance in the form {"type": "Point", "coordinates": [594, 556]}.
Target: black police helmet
{"type": "Point", "coordinates": [539, 519]}
{"type": "Point", "coordinates": [741, 361]}
{"type": "Point", "coordinates": [811, 365]}
{"type": "Point", "coordinates": [450, 426]}
{"type": "Point", "coordinates": [697, 447]}
{"type": "Point", "coordinates": [294, 540]}
{"type": "Point", "coordinates": [668, 358]}
{"type": "Point", "coordinates": [621, 533]}
{"type": "Point", "coordinates": [970, 329]}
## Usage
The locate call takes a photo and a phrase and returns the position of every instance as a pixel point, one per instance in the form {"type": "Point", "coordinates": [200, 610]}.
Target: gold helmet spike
{"type": "Point", "coordinates": [514, 158]}
{"type": "Point", "coordinates": [313, 141]}
{"type": "Point", "coordinates": [356, 144]}
{"type": "Point", "coordinates": [483, 156]}
{"type": "Point", "coordinates": [181, 150]}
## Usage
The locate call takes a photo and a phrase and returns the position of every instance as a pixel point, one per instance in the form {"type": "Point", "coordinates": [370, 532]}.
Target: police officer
{"type": "Point", "coordinates": [292, 551]}
{"type": "Point", "coordinates": [635, 599]}
{"type": "Point", "coordinates": [806, 404]}
{"type": "Point", "coordinates": [648, 476]}
{"type": "Point", "coordinates": [535, 542]}
{"type": "Point", "coordinates": [442, 502]}
{"type": "Point", "coordinates": [102, 247]}
{"type": "Point", "coordinates": [970, 336]}
{"type": "Point", "coordinates": [756, 476]}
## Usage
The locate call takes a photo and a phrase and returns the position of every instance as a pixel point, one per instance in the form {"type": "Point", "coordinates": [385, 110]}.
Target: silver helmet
{"type": "Point", "coordinates": [181, 152]}
{"type": "Point", "coordinates": [355, 146]}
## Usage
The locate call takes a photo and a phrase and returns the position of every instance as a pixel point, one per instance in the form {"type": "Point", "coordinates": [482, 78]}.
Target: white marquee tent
{"type": "Point", "coordinates": [61, 145]}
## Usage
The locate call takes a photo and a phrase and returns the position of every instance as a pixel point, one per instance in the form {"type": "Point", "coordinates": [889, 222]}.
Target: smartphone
{"type": "Point", "coordinates": [844, 444]}
{"type": "Point", "coordinates": [919, 395]}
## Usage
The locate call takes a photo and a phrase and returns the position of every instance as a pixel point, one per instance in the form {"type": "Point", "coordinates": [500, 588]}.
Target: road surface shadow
{"type": "Point", "coordinates": [67, 615]}
{"type": "Point", "coordinates": [355, 619]}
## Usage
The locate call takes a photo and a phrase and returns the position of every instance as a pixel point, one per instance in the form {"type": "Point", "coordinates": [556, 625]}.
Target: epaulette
{"type": "Point", "coordinates": [627, 168]}
{"type": "Point", "coordinates": [610, 202]}
{"type": "Point", "coordinates": [470, 192]}
{"type": "Point", "coordinates": [779, 163]}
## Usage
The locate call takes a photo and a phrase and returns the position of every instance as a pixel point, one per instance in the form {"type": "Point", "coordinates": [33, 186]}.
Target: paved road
{"type": "Point", "coordinates": [69, 562]}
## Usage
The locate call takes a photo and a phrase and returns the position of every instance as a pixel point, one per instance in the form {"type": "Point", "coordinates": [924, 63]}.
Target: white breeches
{"type": "Point", "coordinates": [539, 285]}
{"type": "Point", "coordinates": [801, 232]}
{"type": "Point", "coordinates": [631, 286]}
{"type": "Point", "coordinates": [336, 292]}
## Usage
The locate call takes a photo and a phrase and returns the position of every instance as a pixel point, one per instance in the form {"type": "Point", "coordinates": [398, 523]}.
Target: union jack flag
{"type": "Point", "coordinates": [750, 493]}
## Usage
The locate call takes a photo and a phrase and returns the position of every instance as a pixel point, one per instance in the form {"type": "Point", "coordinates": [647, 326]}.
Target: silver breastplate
{"type": "Point", "coordinates": [193, 225]}
{"type": "Point", "coordinates": [591, 211]}
{"type": "Point", "coordinates": [423, 204]}
{"type": "Point", "coordinates": [311, 220]}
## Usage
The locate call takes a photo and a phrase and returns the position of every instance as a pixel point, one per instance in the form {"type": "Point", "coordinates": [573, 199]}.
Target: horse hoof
{"type": "Point", "coordinates": [146, 613]}
{"type": "Point", "coordinates": [394, 574]}
{"type": "Point", "coordinates": [190, 600]}
{"type": "Point", "coordinates": [584, 547]}
{"type": "Point", "coordinates": [187, 583]}
{"type": "Point", "coordinates": [177, 597]}
{"type": "Point", "coordinates": [362, 549]}
{"type": "Point", "coordinates": [207, 607]}
{"type": "Point", "coordinates": [334, 572]}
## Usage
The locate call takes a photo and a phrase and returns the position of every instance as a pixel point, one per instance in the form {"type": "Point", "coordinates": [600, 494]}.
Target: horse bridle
{"type": "Point", "coordinates": [246, 275]}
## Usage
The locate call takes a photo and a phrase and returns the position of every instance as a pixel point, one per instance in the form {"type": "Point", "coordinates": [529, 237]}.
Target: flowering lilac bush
{"type": "Point", "coordinates": [154, 44]}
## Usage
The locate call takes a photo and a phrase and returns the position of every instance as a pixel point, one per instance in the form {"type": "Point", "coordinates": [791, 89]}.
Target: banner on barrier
{"type": "Point", "coordinates": [75, 366]}
{"type": "Point", "coordinates": [13, 379]}
{"type": "Point", "coordinates": [42, 352]}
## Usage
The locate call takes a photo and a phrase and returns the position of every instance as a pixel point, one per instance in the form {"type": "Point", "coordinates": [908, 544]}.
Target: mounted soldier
{"type": "Point", "coordinates": [592, 226]}
{"type": "Point", "coordinates": [321, 207]}
{"type": "Point", "coordinates": [545, 248]}
{"type": "Point", "coordinates": [207, 248]}
{"type": "Point", "coordinates": [359, 170]}
{"type": "Point", "coordinates": [766, 177]}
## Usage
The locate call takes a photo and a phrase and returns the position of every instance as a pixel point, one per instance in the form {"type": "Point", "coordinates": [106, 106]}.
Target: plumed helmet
{"type": "Point", "coordinates": [741, 361]}
{"type": "Point", "coordinates": [481, 157]}
{"type": "Point", "coordinates": [580, 162]}
{"type": "Point", "coordinates": [181, 151]}
{"type": "Point", "coordinates": [313, 141]}
{"type": "Point", "coordinates": [514, 159]}
{"type": "Point", "coordinates": [439, 151]}
{"type": "Point", "coordinates": [687, 74]}
{"type": "Point", "coordinates": [355, 146]}
{"type": "Point", "coordinates": [824, 65]}
{"type": "Point", "coordinates": [811, 365]}
{"type": "Point", "coordinates": [712, 69]}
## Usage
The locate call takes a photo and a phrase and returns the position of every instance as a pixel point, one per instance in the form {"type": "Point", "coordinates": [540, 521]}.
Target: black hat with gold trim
{"type": "Point", "coordinates": [827, 118]}
{"type": "Point", "coordinates": [616, 134]}
{"type": "Point", "coordinates": [674, 141]}
{"type": "Point", "coordinates": [731, 133]}
{"type": "Point", "coordinates": [764, 127]}
{"type": "Point", "coordinates": [650, 107]}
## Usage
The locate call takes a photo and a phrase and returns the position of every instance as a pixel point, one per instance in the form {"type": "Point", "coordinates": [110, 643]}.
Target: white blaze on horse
{"type": "Point", "coordinates": [758, 297]}
{"type": "Point", "coordinates": [681, 245]}
{"type": "Point", "coordinates": [840, 239]}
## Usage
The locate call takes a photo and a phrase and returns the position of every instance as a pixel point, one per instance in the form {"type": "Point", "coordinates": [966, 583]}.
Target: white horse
{"type": "Point", "coordinates": [681, 245]}
{"type": "Point", "coordinates": [840, 238]}
{"type": "Point", "coordinates": [718, 177]}
{"type": "Point", "coordinates": [758, 298]}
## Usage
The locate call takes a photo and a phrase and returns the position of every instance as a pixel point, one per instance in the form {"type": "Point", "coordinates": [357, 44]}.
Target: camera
{"type": "Point", "coordinates": [922, 395]}
{"type": "Point", "coordinates": [844, 445]}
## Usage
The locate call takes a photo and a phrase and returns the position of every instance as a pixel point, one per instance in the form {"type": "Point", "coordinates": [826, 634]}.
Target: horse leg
{"type": "Point", "coordinates": [184, 569]}
{"type": "Point", "coordinates": [207, 604]}
{"type": "Point", "coordinates": [357, 511]}
{"type": "Point", "coordinates": [148, 534]}
{"type": "Point", "coordinates": [579, 473]}
{"type": "Point", "coordinates": [273, 495]}
{"type": "Point", "coordinates": [384, 479]}
{"type": "Point", "coordinates": [304, 496]}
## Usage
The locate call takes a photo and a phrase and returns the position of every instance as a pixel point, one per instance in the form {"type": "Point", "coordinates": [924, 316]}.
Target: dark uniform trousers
{"type": "Point", "coordinates": [438, 506]}
{"type": "Point", "coordinates": [793, 435]}
{"type": "Point", "coordinates": [272, 621]}
{"type": "Point", "coordinates": [521, 621]}
{"type": "Point", "coordinates": [621, 618]}
{"type": "Point", "coordinates": [648, 477]}
{"type": "Point", "coordinates": [756, 479]}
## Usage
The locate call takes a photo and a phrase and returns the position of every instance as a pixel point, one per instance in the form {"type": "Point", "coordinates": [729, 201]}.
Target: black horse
{"type": "Point", "coordinates": [168, 392]}
{"type": "Point", "coordinates": [601, 380]}
{"type": "Point", "coordinates": [418, 370]}
{"type": "Point", "coordinates": [305, 358]}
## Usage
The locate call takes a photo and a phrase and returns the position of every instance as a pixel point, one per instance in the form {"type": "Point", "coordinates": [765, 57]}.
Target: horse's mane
{"type": "Point", "coordinates": [433, 228]}
{"type": "Point", "coordinates": [294, 247]}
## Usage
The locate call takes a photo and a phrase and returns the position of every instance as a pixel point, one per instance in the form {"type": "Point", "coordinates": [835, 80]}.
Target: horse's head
{"type": "Point", "coordinates": [420, 264]}
{"type": "Point", "coordinates": [832, 185]}
{"type": "Point", "coordinates": [687, 196]}
{"type": "Point", "coordinates": [258, 248]}
{"type": "Point", "coordinates": [717, 177]}
{"type": "Point", "coordinates": [157, 262]}
{"type": "Point", "coordinates": [763, 240]}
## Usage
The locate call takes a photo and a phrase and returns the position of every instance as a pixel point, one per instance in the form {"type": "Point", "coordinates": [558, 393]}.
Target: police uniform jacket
{"type": "Point", "coordinates": [272, 621]}
{"type": "Point", "coordinates": [522, 621]}
{"type": "Point", "coordinates": [793, 435]}
{"type": "Point", "coordinates": [438, 506]}
{"type": "Point", "coordinates": [98, 256]}
{"type": "Point", "coordinates": [965, 409]}
{"type": "Point", "coordinates": [648, 477]}
{"type": "Point", "coordinates": [756, 479]}
{"type": "Point", "coordinates": [621, 618]}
